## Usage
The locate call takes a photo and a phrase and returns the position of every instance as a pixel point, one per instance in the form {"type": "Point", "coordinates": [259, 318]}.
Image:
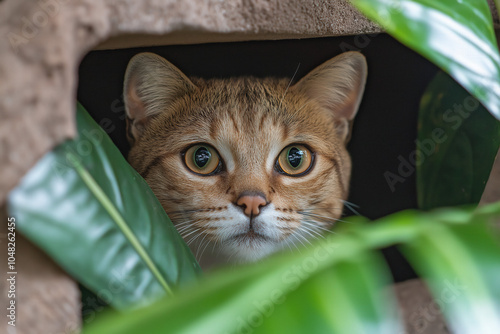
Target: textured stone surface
{"type": "Point", "coordinates": [237, 20]}
{"type": "Point", "coordinates": [420, 312]}
{"type": "Point", "coordinates": [47, 300]}
{"type": "Point", "coordinates": [43, 41]}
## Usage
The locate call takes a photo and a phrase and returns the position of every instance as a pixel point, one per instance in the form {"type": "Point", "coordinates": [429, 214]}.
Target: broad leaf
{"type": "Point", "coordinates": [334, 287]}
{"type": "Point", "coordinates": [93, 214]}
{"type": "Point", "coordinates": [461, 263]}
{"type": "Point", "coordinates": [457, 144]}
{"type": "Point", "coordinates": [343, 299]}
{"type": "Point", "coordinates": [457, 35]}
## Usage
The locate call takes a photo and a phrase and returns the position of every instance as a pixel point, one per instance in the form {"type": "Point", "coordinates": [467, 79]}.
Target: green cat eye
{"type": "Point", "coordinates": [202, 159]}
{"type": "Point", "coordinates": [295, 160]}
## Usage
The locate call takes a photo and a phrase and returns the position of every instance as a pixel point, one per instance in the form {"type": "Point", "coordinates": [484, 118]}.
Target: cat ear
{"type": "Point", "coordinates": [338, 86]}
{"type": "Point", "coordinates": [151, 84]}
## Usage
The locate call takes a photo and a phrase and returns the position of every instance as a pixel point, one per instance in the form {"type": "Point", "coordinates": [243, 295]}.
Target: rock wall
{"type": "Point", "coordinates": [43, 41]}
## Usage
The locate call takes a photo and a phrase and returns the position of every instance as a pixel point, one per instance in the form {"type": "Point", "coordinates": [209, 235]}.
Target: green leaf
{"type": "Point", "coordinates": [93, 214]}
{"type": "Point", "coordinates": [342, 299]}
{"type": "Point", "coordinates": [457, 144]}
{"type": "Point", "coordinates": [334, 287]}
{"type": "Point", "coordinates": [457, 35]}
{"type": "Point", "coordinates": [461, 265]}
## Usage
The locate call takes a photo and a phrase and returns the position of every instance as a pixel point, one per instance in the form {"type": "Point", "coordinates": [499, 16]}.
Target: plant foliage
{"type": "Point", "coordinates": [456, 35]}
{"type": "Point", "coordinates": [94, 215]}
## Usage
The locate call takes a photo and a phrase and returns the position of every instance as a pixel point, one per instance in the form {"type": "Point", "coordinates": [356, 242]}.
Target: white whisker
{"type": "Point", "coordinates": [187, 233]}
{"type": "Point", "coordinates": [291, 241]}
{"type": "Point", "coordinates": [350, 206]}
{"type": "Point", "coordinates": [303, 237]}
{"type": "Point", "coordinates": [288, 244]}
{"type": "Point", "coordinates": [305, 104]}
{"type": "Point", "coordinates": [328, 219]}
{"type": "Point", "coordinates": [289, 83]}
{"type": "Point", "coordinates": [215, 243]}
{"type": "Point", "coordinates": [184, 223]}
{"type": "Point", "coordinates": [317, 226]}
{"type": "Point", "coordinates": [204, 248]}
{"type": "Point", "coordinates": [200, 245]}
{"type": "Point", "coordinates": [182, 229]}
{"type": "Point", "coordinates": [296, 235]}
{"type": "Point", "coordinates": [194, 237]}
{"type": "Point", "coordinates": [309, 228]}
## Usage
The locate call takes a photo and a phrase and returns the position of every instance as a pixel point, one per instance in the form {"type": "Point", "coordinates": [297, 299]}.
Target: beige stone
{"type": "Point", "coordinates": [43, 41]}
{"type": "Point", "coordinates": [47, 300]}
{"type": "Point", "coordinates": [421, 314]}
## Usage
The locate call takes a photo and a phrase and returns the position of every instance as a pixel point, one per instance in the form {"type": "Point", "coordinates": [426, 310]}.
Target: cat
{"type": "Point", "coordinates": [244, 166]}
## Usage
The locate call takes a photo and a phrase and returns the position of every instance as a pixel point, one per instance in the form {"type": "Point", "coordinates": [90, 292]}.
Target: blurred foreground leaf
{"type": "Point", "coordinates": [461, 263]}
{"type": "Point", "coordinates": [94, 215]}
{"type": "Point", "coordinates": [334, 287]}
{"type": "Point", "coordinates": [457, 144]}
{"type": "Point", "coordinates": [456, 35]}
{"type": "Point", "coordinates": [340, 285]}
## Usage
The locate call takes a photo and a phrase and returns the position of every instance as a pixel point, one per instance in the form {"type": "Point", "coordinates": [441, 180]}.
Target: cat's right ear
{"type": "Point", "coordinates": [338, 85]}
{"type": "Point", "coordinates": [151, 84]}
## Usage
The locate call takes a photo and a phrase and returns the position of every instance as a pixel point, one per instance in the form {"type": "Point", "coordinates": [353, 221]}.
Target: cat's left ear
{"type": "Point", "coordinates": [338, 85]}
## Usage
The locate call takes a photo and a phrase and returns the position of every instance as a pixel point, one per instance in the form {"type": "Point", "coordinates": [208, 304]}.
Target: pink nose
{"type": "Point", "coordinates": [251, 204]}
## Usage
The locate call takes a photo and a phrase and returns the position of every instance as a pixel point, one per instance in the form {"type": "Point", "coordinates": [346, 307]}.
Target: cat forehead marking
{"type": "Point", "coordinates": [248, 148]}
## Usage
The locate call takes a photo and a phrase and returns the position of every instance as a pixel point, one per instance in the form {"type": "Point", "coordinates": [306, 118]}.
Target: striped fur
{"type": "Point", "coordinates": [248, 121]}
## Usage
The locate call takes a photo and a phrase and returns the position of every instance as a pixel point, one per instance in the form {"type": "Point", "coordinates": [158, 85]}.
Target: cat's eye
{"type": "Point", "coordinates": [295, 160]}
{"type": "Point", "coordinates": [202, 159]}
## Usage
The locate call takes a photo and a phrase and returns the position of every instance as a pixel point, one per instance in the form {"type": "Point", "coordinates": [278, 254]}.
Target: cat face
{"type": "Point", "coordinates": [244, 166]}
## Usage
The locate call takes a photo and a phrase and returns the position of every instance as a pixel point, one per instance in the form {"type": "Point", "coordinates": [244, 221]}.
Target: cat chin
{"type": "Point", "coordinates": [241, 256]}
{"type": "Point", "coordinates": [245, 251]}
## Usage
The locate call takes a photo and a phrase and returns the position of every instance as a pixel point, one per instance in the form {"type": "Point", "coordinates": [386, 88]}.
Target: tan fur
{"type": "Point", "coordinates": [248, 121]}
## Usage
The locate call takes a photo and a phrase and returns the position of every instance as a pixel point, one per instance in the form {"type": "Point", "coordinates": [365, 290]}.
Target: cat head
{"type": "Point", "coordinates": [244, 165]}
